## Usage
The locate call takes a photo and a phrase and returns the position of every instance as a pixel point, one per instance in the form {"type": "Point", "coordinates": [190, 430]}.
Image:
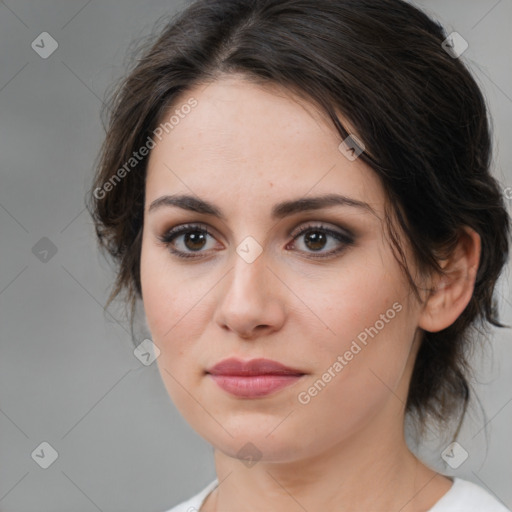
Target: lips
{"type": "Point", "coordinates": [256, 378]}
{"type": "Point", "coordinates": [236, 367]}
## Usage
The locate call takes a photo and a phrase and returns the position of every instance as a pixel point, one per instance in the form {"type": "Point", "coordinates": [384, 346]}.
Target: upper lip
{"type": "Point", "coordinates": [233, 366]}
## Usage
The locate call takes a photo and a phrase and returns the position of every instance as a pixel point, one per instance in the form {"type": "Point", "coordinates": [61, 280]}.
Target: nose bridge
{"type": "Point", "coordinates": [251, 254]}
{"type": "Point", "coordinates": [249, 276]}
{"type": "Point", "coordinates": [247, 301]}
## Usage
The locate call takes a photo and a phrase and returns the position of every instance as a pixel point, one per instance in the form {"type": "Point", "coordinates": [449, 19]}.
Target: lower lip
{"type": "Point", "coordinates": [255, 385]}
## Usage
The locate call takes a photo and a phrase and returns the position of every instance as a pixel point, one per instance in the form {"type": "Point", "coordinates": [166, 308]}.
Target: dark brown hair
{"type": "Point", "coordinates": [420, 114]}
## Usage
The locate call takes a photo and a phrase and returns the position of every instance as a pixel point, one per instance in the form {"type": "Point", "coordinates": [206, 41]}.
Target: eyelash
{"type": "Point", "coordinates": [168, 238]}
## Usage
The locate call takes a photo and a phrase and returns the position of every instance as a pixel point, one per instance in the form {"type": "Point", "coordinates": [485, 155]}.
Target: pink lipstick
{"type": "Point", "coordinates": [254, 378]}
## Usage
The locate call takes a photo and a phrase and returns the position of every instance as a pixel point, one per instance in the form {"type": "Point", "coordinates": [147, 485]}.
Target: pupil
{"type": "Point", "coordinates": [317, 240]}
{"type": "Point", "coordinates": [195, 237]}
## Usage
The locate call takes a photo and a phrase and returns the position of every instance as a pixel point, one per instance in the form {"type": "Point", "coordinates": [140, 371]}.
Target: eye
{"type": "Point", "coordinates": [195, 238]}
{"type": "Point", "coordinates": [316, 238]}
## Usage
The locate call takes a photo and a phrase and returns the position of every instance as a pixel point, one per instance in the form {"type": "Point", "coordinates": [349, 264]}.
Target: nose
{"type": "Point", "coordinates": [251, 302]}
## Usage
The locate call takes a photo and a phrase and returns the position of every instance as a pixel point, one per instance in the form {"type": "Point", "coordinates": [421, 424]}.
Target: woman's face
{"type": "Point", "coordinates": [331, 302]}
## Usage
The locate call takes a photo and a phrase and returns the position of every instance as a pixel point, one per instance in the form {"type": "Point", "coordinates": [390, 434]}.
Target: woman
{"type": "Point", "coordinates": [299, 193]}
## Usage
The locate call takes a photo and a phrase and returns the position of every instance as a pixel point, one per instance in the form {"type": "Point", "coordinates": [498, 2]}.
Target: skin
{"type": "Point", "coordinates": [245, 147]}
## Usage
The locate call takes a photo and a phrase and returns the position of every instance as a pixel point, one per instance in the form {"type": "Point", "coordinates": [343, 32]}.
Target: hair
{"type": "Point", "coordinates": [419, 112]}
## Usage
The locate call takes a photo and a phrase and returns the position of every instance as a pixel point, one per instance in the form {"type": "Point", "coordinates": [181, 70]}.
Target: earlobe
{"type": "Point", "coordinates": [451, 293]}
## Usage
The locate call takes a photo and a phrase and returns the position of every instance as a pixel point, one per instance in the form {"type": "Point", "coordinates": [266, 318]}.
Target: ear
{"type": "Point", "coordinates": [451, 294]}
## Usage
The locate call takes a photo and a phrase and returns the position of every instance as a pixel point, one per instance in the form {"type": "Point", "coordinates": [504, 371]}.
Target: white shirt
{"type": "Point", "coordinates": [463, 496]}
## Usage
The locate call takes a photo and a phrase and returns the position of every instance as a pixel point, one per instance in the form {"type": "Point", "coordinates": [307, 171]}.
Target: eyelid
{"type": "Point", "coordinates": [178, 230]}
{"type": "Point", "coordinates": [342, 235]}
{"type": "Point", "coordinates": [324, 226]}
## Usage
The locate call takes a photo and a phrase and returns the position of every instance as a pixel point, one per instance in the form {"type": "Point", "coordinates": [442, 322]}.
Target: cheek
{"type": "Point", "coordinates": [156, 294]}
{"type": "Point", "coordinates": [166, 294]}
{"type": "Point", "coordinates": [175, 309]}
{"type": "Point", "coordinates": [355, 380]}
{"type": "Point", "coordinates": [366, 296]}
{"type": "Point", "coordinates": [163, 304]}
{"type": "Point", "coordinates": [164, 308]}
{"type": "Point", "coordinates": [366, 349]}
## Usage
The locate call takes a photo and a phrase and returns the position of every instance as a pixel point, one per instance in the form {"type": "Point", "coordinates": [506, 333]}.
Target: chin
{"type": "Point", "coordinates": [251, 439]}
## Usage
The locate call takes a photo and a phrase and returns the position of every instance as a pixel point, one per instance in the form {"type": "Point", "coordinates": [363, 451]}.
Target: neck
{"type": "Point", "coordinates": [373, 470]}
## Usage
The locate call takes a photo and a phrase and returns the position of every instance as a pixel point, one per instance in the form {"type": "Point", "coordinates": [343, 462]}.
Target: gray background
{"type": "Point", "coordinates": [68, 375]}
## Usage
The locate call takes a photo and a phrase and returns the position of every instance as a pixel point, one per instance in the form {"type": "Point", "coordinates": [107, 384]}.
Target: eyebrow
{"type": "Point", "coordinates": [279, 210]}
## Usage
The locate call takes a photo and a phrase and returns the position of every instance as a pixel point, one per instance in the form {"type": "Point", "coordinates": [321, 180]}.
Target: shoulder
{"type": "Point", "coordinates": [194, 504]}
{"type": "Point", "coordinates": [465, 496]}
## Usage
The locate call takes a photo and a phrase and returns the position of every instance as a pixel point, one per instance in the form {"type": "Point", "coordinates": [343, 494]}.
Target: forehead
{"type": "Point", "coordinates": [242, 140]}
